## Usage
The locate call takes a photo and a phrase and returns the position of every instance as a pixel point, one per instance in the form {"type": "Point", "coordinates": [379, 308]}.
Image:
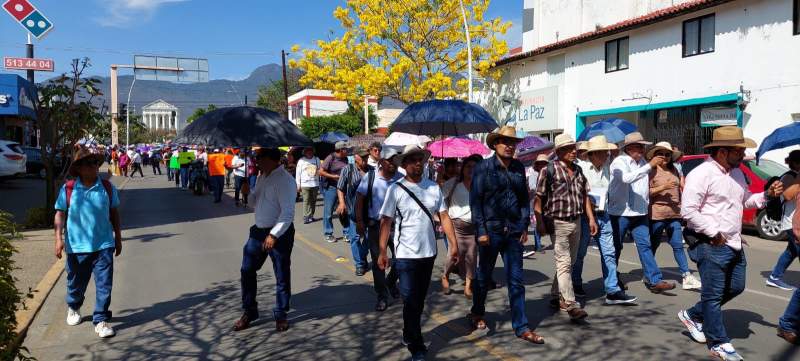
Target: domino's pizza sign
{"type": "Point", "coordinates": [29, 17]}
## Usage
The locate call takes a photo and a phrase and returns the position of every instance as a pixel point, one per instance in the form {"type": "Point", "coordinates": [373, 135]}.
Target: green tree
{"type": "Point", "coordinates": [199, 112]}
{"type": "Point", "coordinates": [11, 298]}
{"type": "Point", "coordinates": [272, 96]}
{"type": "Point", "coordinates": [351, 123]}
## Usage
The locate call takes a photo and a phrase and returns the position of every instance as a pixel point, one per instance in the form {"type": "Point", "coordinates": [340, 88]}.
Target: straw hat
{"type": "Point", "coordinates": [410, 150]}
{"type": "Point", "coordinates": [599, 143]}
{"type": "Point", "coordinates": [504, 132]}
{"type": "Point", "coordinates": [563, 140]}
{"type": "Point", "coordinates": [84, 154]}
{"type": "Point", "coordinates": [663, 146]}
{"type": "Point", "coordinates": [542, 158]}
{"type": "Point", "coordinates": [634, 138]}
{"type": "Point", "coordinates": [583, 146]}
{"type": "Point", "coordinates": [730, 136]}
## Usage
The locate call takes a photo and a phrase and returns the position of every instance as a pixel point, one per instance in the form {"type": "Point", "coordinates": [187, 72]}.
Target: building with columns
{"type": "Point", "coordinates": [160, 115]}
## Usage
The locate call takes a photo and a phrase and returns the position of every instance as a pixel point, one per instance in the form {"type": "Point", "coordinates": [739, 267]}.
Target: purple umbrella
{"type": "Point", "coordinates": [533, 143]}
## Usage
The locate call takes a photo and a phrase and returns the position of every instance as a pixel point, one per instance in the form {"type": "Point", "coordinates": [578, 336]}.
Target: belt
{"type": "Point", "coordinates": [567, 219]}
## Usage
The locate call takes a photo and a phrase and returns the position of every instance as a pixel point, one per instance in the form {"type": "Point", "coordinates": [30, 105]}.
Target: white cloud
{"type": "Point", "coordinates": [122, 13]}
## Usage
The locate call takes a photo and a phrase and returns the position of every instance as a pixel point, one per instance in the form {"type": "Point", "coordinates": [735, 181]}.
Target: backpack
{"type": "Point", "coordinates": [774, 207]}
{"type": "Point", "coordinates": [69, 186]}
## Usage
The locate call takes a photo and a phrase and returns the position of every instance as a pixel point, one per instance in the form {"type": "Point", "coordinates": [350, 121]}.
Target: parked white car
{"type": "Point", "coordinates": [12, 159]}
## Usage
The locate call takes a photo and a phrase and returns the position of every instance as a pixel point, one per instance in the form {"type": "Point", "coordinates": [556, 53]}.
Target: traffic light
{"type": "Point", "coordinates": [123, 112]}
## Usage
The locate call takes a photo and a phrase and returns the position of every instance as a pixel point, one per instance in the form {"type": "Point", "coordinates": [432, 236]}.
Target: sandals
{"type": "Point", "coordinates": [532, 337]}
{"type": "Point", "coordinates": [477, 322]}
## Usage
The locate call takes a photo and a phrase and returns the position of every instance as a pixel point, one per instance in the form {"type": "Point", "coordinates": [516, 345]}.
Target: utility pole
{"type": "Point", "coordinates": [285, 85]}
{"type": "Point", "coordinates": [29, 54]}
{"type": "Point", "coordinates": [366, 114]}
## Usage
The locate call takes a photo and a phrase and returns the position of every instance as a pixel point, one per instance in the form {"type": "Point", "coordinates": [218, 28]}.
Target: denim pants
{"type": "Point", "coordinates": [331, 200]}
{"type": "Point", "coordinates": [605, 241]}
{"type": "Point", "coordinates": [217, 184]}
{"type": "Point", "coordinates": [80, 267]}
{"type": "Point", "coordinates": [380, 280]}
{"type": "Point", "coordinates": [640, 230]}
{"type": "Point", "coordinates": [358, 247]}
{"type": "Point", "coordinates": [169, 174]}
{"type": "Point", "coordinates": [537, 240]}
{"type": "Point", "coordinates": [237, 188]}
{"type": "Point", "coordinates": [511, 250]}
{"type": "Point", "coordinates": [583, 247]}
{"type": "Point", "coordinates": [722, 273]}
{"type": "Point", "coordinates": [675, 235]}
{"type": "Point", "coordinates": [790, 321]}
{"type": "Point", "coordinates": [789, 254]}
{"type": "Point", "coordinates": [415, 277]}
{"type": "Point", "coordinates": [184, 177]}
{"type": "Point", "coordinates": [254, 257]}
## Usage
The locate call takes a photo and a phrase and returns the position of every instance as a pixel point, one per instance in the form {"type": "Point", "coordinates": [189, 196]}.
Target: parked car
{"type": "Point", "coordinates": [35, 164]}
{"type": "Point", "coordinates": [757, 176]}
{"type": "Point", "coordinates": [12, 159]}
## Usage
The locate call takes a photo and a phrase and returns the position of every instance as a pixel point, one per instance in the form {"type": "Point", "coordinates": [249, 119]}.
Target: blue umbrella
{"type": "Point", "coordinates": [333, 137]}
{"type": "Point", "coordinates": [444, 117]}
{"type": "Point", "coordinates": [615, 130]}
{"type": "Point", "coordinates": [782, 137]}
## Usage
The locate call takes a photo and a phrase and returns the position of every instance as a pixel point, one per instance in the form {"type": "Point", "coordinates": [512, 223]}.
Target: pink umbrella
{"type": "Point", "coordinates": [457, 148]}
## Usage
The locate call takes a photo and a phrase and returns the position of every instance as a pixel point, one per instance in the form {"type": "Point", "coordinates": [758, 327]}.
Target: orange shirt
{"type": "Point", "coordinates": [216, 164]}
{"type": "Point", "coordinates": [228, 159]}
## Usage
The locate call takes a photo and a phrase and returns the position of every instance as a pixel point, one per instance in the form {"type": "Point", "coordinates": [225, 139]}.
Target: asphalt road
{"type": "Point", "coordinates": [176, 296]}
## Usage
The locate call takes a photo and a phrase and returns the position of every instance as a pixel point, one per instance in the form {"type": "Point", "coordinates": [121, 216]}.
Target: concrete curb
{"type": "Point", "coordinates": [26, 315]}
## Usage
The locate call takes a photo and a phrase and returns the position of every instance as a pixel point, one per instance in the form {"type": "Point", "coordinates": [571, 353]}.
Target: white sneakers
{"type": "Point", "coordinates": [726, 352]}
{"type": "Point", "coordinates": [690, 282]}
{"type": "Point", "coordinates": [103, 329]}
{"type": "Point", "coordinates": [695, 328]}
{"type": "Point", "coordinates": [73, 317]}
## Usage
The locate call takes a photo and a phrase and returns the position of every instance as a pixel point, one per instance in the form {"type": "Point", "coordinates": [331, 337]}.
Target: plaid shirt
{"type": "Point", "coordinates": [348, 184]}
{"type": "Point", "coordinates": [565, 196]}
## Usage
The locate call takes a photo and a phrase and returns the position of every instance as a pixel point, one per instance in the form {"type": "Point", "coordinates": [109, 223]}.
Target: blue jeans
{"type": "Point", "coordinates": [217, 183]}
{"type": "Point", "coordinates": [790, 321]}
{"type": "Point", "coordinates": [331, 200]}
{"type": "Point", "coordinates": [358, 247]}
{"type": "Point", "coordinates": [80, 267]}
{"type": "Point", "coordinates": [608, 253]}
{"type": "Point", "coordinates": [184, 177]}
{"type": "Point", "coordinates": [537, 240]}
{"type": "Point", "coordinates": [508, 245]}
{"type": "Point", "coordinates": [722, 273]}
{"type": "Point", "coordinates": [583, 247]}
{"type": "Point", "coordinates": [254, 257]}
{"type": "Point", "coordinates": [640, 230]}
{"type": "Point", "coordinates": [415, 277]}
{"type": "Point", "coordinates": [789, 254]}
{"type": "Point", "coordinates": [675, 235]}
{"type": "Point", "coordinates": [169, 174]}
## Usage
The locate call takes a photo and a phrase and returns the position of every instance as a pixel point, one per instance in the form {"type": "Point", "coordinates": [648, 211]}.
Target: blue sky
{"type": "Point", "coordinates": [235, 36]}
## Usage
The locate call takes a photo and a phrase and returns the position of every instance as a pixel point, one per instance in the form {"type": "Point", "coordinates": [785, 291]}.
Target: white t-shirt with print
{"type": "Point", "coordinates": [414, 236]}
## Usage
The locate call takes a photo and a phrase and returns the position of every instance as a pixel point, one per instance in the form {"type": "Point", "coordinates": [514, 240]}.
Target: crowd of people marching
{"type": "Point", "coordinates": [397, 200]}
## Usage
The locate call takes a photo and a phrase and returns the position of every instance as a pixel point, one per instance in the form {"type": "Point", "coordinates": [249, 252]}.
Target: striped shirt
{"type": "Point", "coordinates": [563, 199]}
{"type": "Point", "coordinates": [348, 184]}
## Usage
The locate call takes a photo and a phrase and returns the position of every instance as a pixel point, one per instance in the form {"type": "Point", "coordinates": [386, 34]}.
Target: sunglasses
{"type": "Point", "coordinates": [508, 142]}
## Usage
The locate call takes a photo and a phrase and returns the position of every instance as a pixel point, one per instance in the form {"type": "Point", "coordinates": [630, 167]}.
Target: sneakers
{"type": "Point", "coordinates": [695, 328]}
{"type": "Point", "coordinates": [360, 271]}
{"type": "Point", "coordinates": [690, 282]}
{"type": "Point", "coordinates": [778, 283]}
{"type": "Point", "coordinates": [73, 317]}
{"type": "Point", "coordinates": [346, 239]}
{"type": "Point", "coordinates": [104, 330]}
{"type": "Point", "coordinates": [528, 254]}
{"type": "Point", "coordinates": [329, 238]}
{"type": "Point", "coordinates": [620, 298]}
{"type": "Point", "coordinates": [726, 352]}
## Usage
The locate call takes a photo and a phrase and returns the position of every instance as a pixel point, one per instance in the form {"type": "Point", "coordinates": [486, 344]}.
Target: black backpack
{"type": "Point", "coordinates": [774, 206]}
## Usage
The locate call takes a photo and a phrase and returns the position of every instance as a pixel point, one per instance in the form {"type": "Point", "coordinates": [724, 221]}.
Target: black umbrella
{"type": "Point", "coordinates": [243, 126]}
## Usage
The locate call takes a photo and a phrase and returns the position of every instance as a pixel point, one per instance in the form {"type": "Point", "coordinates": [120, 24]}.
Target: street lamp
{"type": "Point", "coordinates": [469, 50]}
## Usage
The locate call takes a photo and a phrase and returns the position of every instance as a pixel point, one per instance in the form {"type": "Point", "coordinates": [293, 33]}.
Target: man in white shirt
{"type": "Point", "coordinates": [238, 166]}
{"type": "Point", "coordinates": [136, 159]}
{"type": "Point", "coordinates": [374, 154]}
{"type": "Point", "coordinates": [307, 180]}
{"type": "Point", "coordinates": [410, 204]}
{"type": "Point", "coordinates": [792, 250]}
{"type": "Point", "coordinates": [272, 236]}
{"type": "Point", "coordinates": [628, 206]}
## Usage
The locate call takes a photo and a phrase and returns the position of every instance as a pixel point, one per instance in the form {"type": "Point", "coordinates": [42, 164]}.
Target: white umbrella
{"type": "Point", "coordinates": [404, 139]}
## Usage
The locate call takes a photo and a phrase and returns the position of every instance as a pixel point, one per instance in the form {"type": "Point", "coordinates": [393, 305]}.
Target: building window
{"type": "Point", "coordinates": [617, 54]}
{"type": "Point", "coordinates": [527, 20]}
{"type": "Point", "coordinates": [698, 36]}
{"type": "Point", "coordinates": [796, 17]}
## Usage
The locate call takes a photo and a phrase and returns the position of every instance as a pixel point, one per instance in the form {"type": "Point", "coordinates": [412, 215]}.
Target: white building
{"type": "Point", "coordinates": [317, 102]}
{"type": "Point", "coordinates": [675, 68]}
{"type": "Point", "coordinates": [160, 115]}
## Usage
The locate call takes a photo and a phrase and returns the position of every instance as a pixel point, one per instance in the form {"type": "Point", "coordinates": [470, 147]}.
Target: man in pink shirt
{"type": "Point", "coordinates": [716, 192]}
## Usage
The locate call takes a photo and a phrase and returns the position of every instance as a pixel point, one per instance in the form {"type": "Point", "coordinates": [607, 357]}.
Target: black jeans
{"type": "Point", "coordinates": [380, 279]}
{"type": "Point", "coordinates": [137, 166]}
{"type": "Point", "coordinates": [252, 260]}
{"type": "Point", "coordinates": [415, 277]}
{"type": "Point", "coordinates": [237, 188]}
{"type": "Point", "coordinates": [156, 167]}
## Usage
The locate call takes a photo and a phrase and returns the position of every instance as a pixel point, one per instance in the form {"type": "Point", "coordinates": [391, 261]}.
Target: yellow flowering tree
{"type": "Point", "coordinates": [408, 49]}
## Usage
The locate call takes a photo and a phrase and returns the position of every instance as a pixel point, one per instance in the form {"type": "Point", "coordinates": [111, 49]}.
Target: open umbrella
{"type": "Point", "coordinates": [444, 117]}
{"type": "Point", "coordinates": [242, 126]}
{"type": "Point", "coordinates": [403, 139]}
{"type": "Point", "coordinates": [782, 137]}
{"type": "Point", "coordinates": [457, 148]}
{"type": "Point", "coordinates": [333, 137]}
{"type": "Point", "coordinates": [533, 144]}
{"type": "Point", "coordinates": [615, 130]}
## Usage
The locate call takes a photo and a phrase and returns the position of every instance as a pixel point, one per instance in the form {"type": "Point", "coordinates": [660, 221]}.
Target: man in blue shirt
{"type": "Point", "coordinates": [88, 207]}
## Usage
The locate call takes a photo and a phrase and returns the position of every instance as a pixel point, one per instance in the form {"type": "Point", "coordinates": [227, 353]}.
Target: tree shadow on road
{"type": "Point", "coordinates": [162, 206]}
